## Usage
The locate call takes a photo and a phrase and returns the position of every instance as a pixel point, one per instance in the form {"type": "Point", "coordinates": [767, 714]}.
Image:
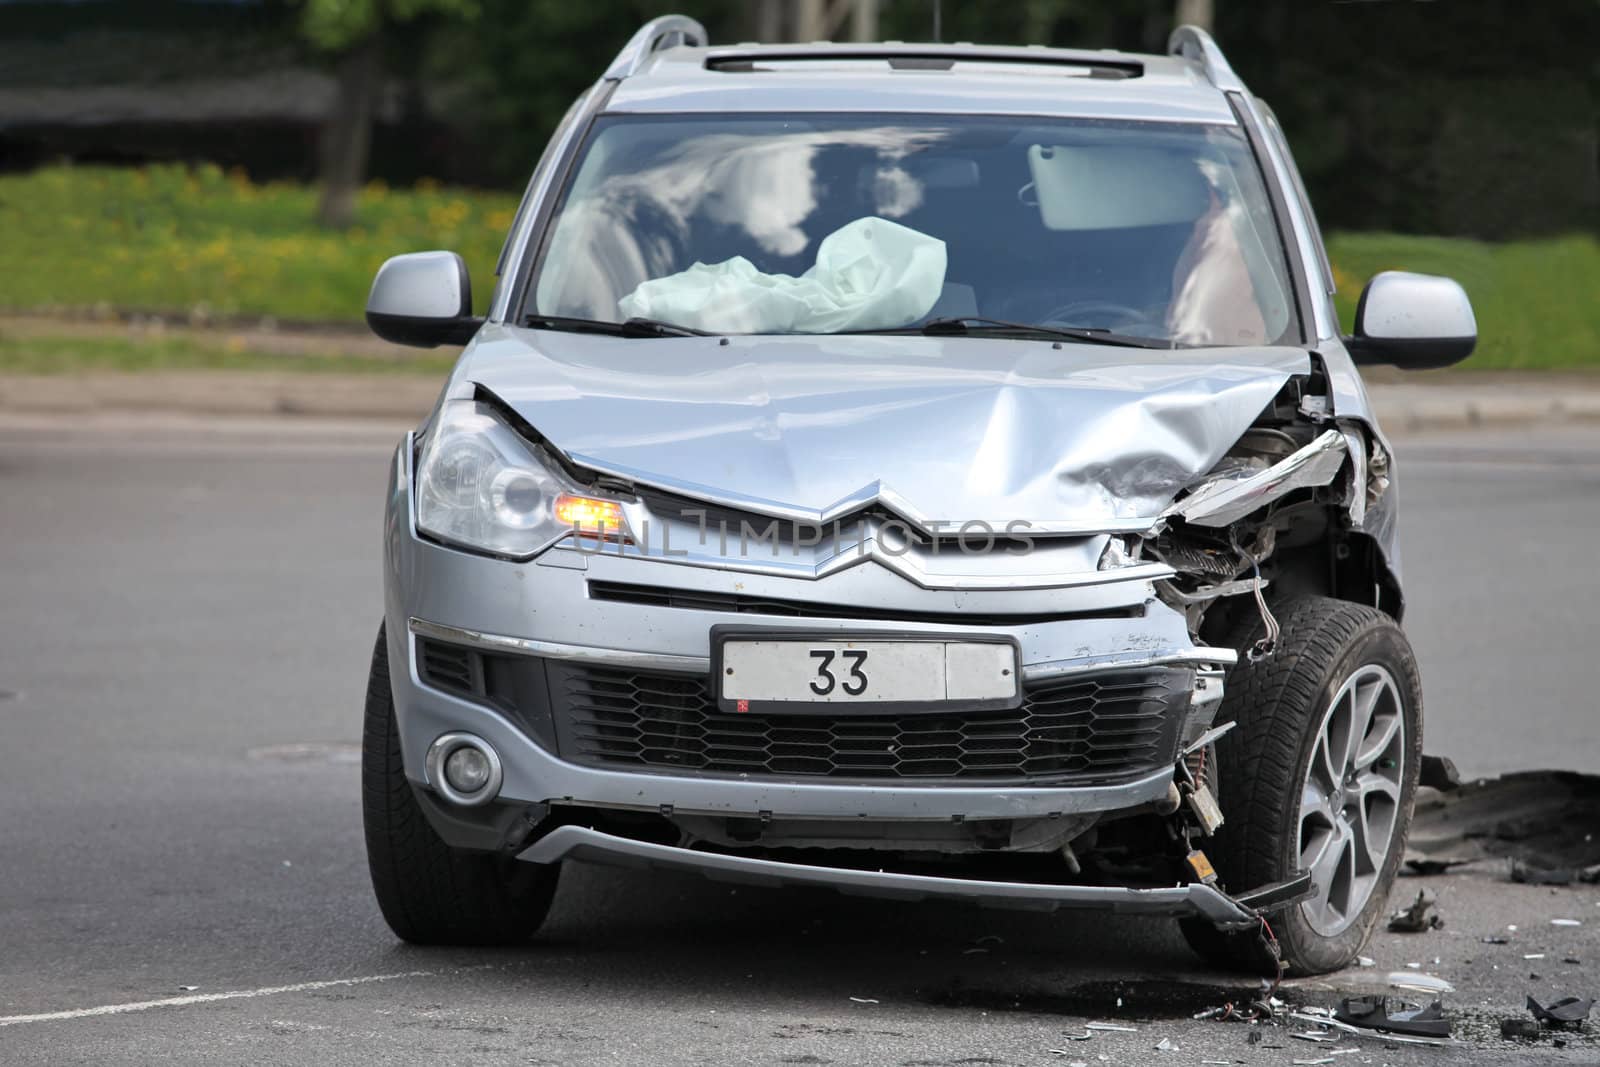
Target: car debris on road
{"type": "Point", "coordinates": [1532, 875]}
{"type": "Point", "coordinates": [1377, 1013]}
{"type": "Point", "coordinates": [1418, 917]}
{"type": "Point", "coordinates": [1351, 1028]}
{"type": "Point", "coordinates": [1420, 983]}
{"type": "Point", "coordinates": [1568, 1012]}
{"type": "Point", "coordinates": [1519, 1028]}
{"type": "Point", "coordinates": [1539, 822]}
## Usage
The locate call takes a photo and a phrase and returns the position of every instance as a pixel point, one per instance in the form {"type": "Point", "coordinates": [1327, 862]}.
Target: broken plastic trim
{"type": "Point", "coordinates": [1206, 738]}
{"type": "Point", "coordinates": [595, 846]}
{"type": "Point", "coordinates": [1568, 1012]}
{"type": "Point", "coordinates": [1275, 896]}
{"type": "Point", "coordinates": [1228, 498]}
{"type": "Point", "coordinates": [1373, 1013]}
{"type": "Point", "coordinates": [1384, 1035]}
{"type": "Point", "coordinates": [1418, 917]}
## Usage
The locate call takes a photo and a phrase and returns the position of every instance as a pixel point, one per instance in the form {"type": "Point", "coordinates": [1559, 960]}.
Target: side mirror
{"type": "Point", "coordinates": [422, 299]}
{"type": "Point", "coordinates": [1414, 321]}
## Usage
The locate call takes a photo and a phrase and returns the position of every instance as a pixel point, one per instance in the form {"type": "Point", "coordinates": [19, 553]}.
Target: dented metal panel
{"type": "Point", "coordinates": [1067, 438]}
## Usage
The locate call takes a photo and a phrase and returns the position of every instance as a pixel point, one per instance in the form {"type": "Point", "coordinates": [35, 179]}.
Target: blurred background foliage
{"type": "Point", "coordinates": [1457, 117]}
{"type": "Point", "coordinates": [165, 154]}
{"type": "Point", "coordinates": [231, 246]}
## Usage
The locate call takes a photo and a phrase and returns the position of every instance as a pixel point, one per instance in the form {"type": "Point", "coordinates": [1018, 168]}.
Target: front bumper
{"type": "Point", "coordinates": [544, 609]}
{"type": "Point", "coordinates": [581, 843]}
{"type": "Point", "coordinates": [532, 774]}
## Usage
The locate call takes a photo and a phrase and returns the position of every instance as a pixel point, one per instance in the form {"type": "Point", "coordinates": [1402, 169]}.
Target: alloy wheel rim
{"type": "Point", "coordinates": [1350, 799]}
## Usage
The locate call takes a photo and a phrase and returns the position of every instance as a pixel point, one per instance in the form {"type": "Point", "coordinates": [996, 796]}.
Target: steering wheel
{"type": "Point", "coordinates": [1101, 314]}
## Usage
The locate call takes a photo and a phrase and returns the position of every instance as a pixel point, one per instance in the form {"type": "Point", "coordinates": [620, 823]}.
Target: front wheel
{"type": "Point", "coordinates": [430, 893]}
{"type": "Point", "coordinates": [1320, 774]}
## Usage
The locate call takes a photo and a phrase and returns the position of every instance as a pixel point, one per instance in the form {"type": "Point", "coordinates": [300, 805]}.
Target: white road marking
{"type": "Point", "coordinates": [205, 998]}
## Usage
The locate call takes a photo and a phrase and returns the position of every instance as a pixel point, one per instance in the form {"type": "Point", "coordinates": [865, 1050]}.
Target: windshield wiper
{"type": "Point", "coordinates": [961, 325]}
{"type": "Point", "coordinates": [629, 328]}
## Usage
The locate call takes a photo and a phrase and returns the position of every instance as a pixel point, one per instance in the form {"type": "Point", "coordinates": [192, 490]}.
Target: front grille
{"type": "Point", "coordinates": [1104, 727]}
{"type": "Point", "coordinates": [745, 604]}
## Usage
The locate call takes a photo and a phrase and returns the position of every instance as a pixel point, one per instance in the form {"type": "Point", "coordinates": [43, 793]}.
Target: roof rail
{"type": "Point", "coordinates": [668, 31]}
{"type": "Point", "coordinates": [1194, 44]}
{"type": "Point", "coordinates": [921, 56]}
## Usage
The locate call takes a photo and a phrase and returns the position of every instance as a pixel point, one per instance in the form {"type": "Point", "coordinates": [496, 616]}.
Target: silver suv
{"type": "Point", "coordinates": [925, 470]}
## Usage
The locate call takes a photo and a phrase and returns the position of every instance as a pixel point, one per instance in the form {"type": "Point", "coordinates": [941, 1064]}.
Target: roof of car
{"type": "Point", "coordinates": [927, 78]}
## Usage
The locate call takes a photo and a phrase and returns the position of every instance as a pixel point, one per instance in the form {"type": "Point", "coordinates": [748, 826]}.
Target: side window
{"type": "Point", "coordinates": [1279, 142]}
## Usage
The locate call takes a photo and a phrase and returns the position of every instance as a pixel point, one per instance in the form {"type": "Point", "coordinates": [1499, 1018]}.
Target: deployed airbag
{"type": "Point", "coordinates": [870, 274]}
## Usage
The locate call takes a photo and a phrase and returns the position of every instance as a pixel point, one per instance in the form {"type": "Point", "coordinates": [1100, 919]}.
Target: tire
{"type": "Point", "coordinates": [1287, 718]}
{"type": "Point", "coordinates": [430, 893]}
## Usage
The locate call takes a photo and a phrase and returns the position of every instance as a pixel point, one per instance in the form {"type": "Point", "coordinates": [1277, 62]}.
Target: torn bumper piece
{"type": "Point", "coordinates": [594, 846]}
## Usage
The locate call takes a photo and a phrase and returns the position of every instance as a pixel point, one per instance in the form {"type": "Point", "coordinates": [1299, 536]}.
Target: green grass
{"type": "Point", "coordinates": [176, 239]}
{"type": "Point", "coordinates": [1537, 302]}
{"type": "Point", "coordinates": [170, 238]}
{"type": "Point", "coordinates": [72, 355]}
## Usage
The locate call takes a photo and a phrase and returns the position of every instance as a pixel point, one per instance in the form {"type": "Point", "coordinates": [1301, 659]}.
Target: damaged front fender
{"type": "Point", "coordinates": [1231, 496]}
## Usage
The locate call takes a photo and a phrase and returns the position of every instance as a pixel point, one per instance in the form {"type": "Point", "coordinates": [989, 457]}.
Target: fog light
{"type": "Point", "coordinates": [467, 769]}
{"type": "Point", "coordinates": [464, 769]}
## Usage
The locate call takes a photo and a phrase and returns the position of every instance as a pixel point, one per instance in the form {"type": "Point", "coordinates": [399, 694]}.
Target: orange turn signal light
{"type": "Point", "coordinates": [585, 514]}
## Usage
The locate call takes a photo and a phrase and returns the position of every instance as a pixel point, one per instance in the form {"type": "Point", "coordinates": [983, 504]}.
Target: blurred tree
{"type": "Point", "coordinates": [522, 63]}
{"type": "Point", "coordinates": [1477, 117]}
{"type": "Point", "coordinates": [525, 61]}
{"type": "Point", "coordinates": [354, 31]}
{"type": "Point", "coordinates": [1469, 118]}
{"type": "Point", "coordinates": [1132, 24]}
{"type": "Point", "coordinates": [1473, 119]}
{"type": "Point", "coordinates": [1200, 13]}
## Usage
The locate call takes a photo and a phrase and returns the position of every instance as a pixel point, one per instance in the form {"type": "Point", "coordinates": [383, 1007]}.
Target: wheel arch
{"type": "Point", "coordinates": [1345, 565]}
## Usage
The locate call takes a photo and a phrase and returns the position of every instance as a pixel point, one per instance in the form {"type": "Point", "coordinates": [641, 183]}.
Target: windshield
{"type": "Point", "coordinates": [831, 223]}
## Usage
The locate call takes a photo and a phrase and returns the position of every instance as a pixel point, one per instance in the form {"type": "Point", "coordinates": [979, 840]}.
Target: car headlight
{"type": "Point", "coordinates": [481, 485]}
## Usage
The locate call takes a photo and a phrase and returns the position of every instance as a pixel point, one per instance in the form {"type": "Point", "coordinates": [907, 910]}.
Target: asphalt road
{"type": "Point", "coordinates": [186, 612]}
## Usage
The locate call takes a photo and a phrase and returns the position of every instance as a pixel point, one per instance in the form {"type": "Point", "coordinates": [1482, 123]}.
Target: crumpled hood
{"type": "Point", "coordinates": [1081, 438]}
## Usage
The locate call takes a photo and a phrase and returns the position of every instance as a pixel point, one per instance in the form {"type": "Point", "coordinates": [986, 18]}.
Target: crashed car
{"type": "Point", "coordinates": [923, 470]}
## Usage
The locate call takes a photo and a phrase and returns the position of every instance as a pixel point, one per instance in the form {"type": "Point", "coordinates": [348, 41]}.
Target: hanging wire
{"type": "Point", "coordinates": [1264, 647]}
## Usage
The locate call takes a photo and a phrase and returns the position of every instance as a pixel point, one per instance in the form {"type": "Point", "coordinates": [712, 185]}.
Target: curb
{"type": "Point", "coordinates": [222, 393]}
{"type": "Point", "coordinates": [1414, 409]}
{"type": "Point", "coordinates": [1401, 409]}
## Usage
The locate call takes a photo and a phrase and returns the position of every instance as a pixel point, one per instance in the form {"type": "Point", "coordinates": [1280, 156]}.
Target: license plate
{"type": "Point", "coordinates": [768, 673]}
